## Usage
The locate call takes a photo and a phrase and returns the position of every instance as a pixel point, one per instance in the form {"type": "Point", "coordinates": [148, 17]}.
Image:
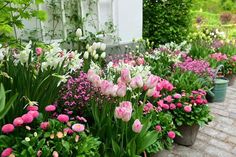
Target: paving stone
{"type": "Point", "coordinates": [221, 145]}
{"type": "Point", "coordinates": [231, 139]}
{"type": "Point", "coordinates": [220, 112]}
{"type": "Point", "coordinates": [187, 152]}
{"type": "Point", "coordinates": [234, 151]}
{"type": "Point", "coordinates": [200, 145]}
{"type": "Point", "coordinates": [229, 129]}
{"type": "Point", "coordinates": [202, 137]}
{"type": "Point", "coordinates": [225, 120]}
{"type": "Point", "coordinates": [164, 153]}
{"type": "Point", "coordinates": [232, 115]}
{"type": "Point", "coordinates": [211, 150]}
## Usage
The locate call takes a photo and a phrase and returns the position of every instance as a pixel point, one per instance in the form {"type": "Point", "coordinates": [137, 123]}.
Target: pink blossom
{"type": "Point", "coordinates": [158, 128]}
{"type": "Point", "coordinates": [234, 58]}
{"type": "Point", "coordinates": [120, 112]}
{"type": "Point", "coordinates": [35, 114]}
{"type": "Point", "coordinates": [8, 128]}
{"type": "Point", "coordinates": [55, 154]}
{"type": "Point", "coordinates": [172, 106]}
{"type": "Point", "coordinates": [44, 125]}
{"type": "Point", "coordinates": [136, 82]}
{"type": "Point", "coordinates": [78, 127]}
{"type": "Point", "coordinates": [125, 75]}
{"type": "Point", "coordinates": [68, 131]}
{"type": "Point", "coordinates": [168, 99]}
{"type": "Point", "coordinates": [18, 121]}
{"type": "Point", "coordinates": [39, 153]}
{"type": "Point", "coordinates": [151, 81]}
{"type": "Point", "coordinates": [6, 152]}
{"type": "Point", "coordinates": [147, 108]}
{"type": "Point", "coordinates": [50, 108]}
{"type": "Point", "coordinates": [121, 91]}
{"type": "Point", "coordinates": [140, 61]}
{"type": "Point", "coordinates": [137, 126]}
{"type": "Point", "coordinates": [160, 102]}
{"type": "Point", "coordinates": [171, 134]}
{"type": "Point", "coordinates": [39, 51]}
{"type": "Point", "coordinates": [96, 81]}
{"type": "Point", "coordinates": [179, 105]}
{"type": "Point", "coordinates": [106, 87]}
{"type": "Point", "coordinates": [165, 106]}
{"type": "Point", "coordinates": [187, 108]}
{"type": "Point", "coordinates": [124, 111]}
{"type": "Point", "coordinates": [90, 74]}
{"type": "Point", "coordinates": [156, 94]}
{"type": "Point", "coordinates": [126, 104]}
{"type": "Point", "coordinates": [63, 118]}
{"type": "Point", "coordinates": [159, 87]}
{"type": "Point", "coordinates": [27, 118]}
{"type": "Point", "coordinates": [177, 96]}
{"type": "Point", "coordinates": [150, 92]}
{"type": "Point", "coordinates": [32, 108]}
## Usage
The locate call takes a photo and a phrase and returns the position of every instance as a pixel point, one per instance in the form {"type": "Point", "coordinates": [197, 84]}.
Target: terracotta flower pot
{"type": "Point", "coordinates": [189, 135]}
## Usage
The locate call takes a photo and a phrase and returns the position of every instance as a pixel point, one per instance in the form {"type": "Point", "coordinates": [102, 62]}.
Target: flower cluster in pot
{"type": "Point", "coordinates": [29, 135]}
{"type": "Point", "coordinates": [125, 111]}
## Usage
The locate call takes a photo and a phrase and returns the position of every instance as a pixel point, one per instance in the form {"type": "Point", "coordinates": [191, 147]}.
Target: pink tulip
{"type": "Point", "coordinates": [50, 108]}
{"type": "Point", "coordinates": [18, 121]}
{"type": "Point", "coordinates": [136, 82]}
{"type": "Point", "coordinates": [150, 92]}
{"type": "Point", "coordinates": [140, 61]}
{"type": "Point", "coordinates": [151, 81]}
{"type": "Point", "coordinates": [32, 108]}
{"type": "Point", "coordinates": [171, 134]}
{"type": "Point", "coordinates": [39, 153]}
{"type": "Point", "coordinates": [78, 127]}
{"type": "Point", "coordinates": [106, 87]}
{"type": "Point", "coordinates": [187, 108]}
{"type": "Point", "coordinates": [63, 118]}
{"type": "Point", "coordinates": [44, 125]}
{"type": "Point", "coordinates": [126, 104]}
{"type": "Point", "coordinates": [8, 128]}
{"type": "Point", "coordinates": [137, 126]}
{"type": "Point", "coordinates": [55, 154]}
{"type": "Point", "coordinates": [121, 91]}
{"type": "Point", "coordinates": [6, 152]}
{"type": "Point", "coordinates": [127, 115]}
{"type": "Point", "coordinates": [96, 81]}
{"type": "Point", "coordinates": [27, 118]}
{"type": "Point", "coordinates": [39, 51]}
{"type": "Point", "coordinates": [120, 112]}
{"type": "Point", "coordinates": [125, 75]}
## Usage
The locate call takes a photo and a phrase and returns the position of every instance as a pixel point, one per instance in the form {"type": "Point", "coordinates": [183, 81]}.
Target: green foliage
{"type": "Point", "coordinates": [12, 14]}
{"type": "Point", "coordinates": [166, 21]}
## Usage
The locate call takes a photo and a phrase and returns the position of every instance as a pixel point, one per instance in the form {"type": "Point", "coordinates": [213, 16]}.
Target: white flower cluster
{"type": "Point", "coordinates": [172, 46]}
{"type": "Point", "coordinates": [92, 50]}
{"type": "Point", "coordinates": [3, 52]}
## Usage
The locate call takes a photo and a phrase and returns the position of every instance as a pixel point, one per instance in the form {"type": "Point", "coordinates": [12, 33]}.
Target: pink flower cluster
{"type": "Point", "coordinates": [24, 119]}
{"type": "Point", "coordinates": [124, 111]}
{"type": "Point", "coordinates": [127, 59]}
{"type": "Point", "coordinates": [219, 56]}
{"type": "Point", "coordinates": [199, 67]}
{"type": "Point", "coordinates": [233, 58]}
{"type": "Point", "coordinates": [137, 126]}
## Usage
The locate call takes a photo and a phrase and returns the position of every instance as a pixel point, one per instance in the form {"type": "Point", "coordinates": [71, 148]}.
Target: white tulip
{"type": "Point", "coordinates": [96, 57]}
{"type": "Point", "coordinates": [98, 45]}
{"type": "Point", "coordinates": [78, 32]}
{"type": "Point", "coordinates": [94, 46]}
{"type": "Point", "coordinates": [103, 47]}
{"type": "Point", "coordinates": [94, 52]}
{"type": "Point", "coordinates": [103, 55]}
{"type": "Point", "coordinates": [87, 46]}
{"type": "Point", "coordinates": [90, 49]}
{"type": "Point", "coordinates": [86, 55]}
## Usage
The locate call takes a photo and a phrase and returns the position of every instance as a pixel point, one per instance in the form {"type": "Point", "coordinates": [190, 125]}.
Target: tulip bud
{"type": "Point", "coordinates": [103, 55]}
{"type": "Point", "coordinates": [96, 56]}
{"type": "Point", "coordinates": [78, 32]}
{"type": "Point", "coordinates": [86, 55]}
{"type": "Point", "coordinates": [103, 47]}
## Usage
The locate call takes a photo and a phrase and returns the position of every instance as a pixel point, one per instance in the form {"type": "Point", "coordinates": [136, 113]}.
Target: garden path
{"type": "Point", "coordinates": [218, 139]}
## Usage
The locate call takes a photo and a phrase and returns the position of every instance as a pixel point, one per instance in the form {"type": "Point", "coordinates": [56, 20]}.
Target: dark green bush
{"type": "Point", "coordinates": [166, 20]}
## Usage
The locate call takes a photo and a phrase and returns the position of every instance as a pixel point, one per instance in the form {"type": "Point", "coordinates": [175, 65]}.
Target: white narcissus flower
{"type": "Point", "coordinates": [103, 47]}
{"type": "Point", "coordinates": [103, 55]}
{"type": "Point", "coordinates": [86, 55]}
{"type": "Point", "coordinates": [79, 32]}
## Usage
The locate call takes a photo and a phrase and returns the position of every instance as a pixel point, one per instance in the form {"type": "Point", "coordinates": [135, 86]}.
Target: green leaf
{"type": "Point", "coordinates": [39, 1]}
{"type": "Point", "coordinates": [115, 148]}
{"type": "Point", "coordinates": [2, 98]}
{"type": "Point", "coordinates": [8, 106]}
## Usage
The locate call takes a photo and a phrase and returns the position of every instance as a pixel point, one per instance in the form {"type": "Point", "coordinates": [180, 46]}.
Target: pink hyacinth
{"type": "Point", "coordinates": [44, 125]}
{"type": "Point", "coordinates": [32, 108]}
{"type": "Point", "coordinates": [8, 128]}
{"type": "Point", "coordinates": [68, 131]}
{"type": "Point", "coordinates": [63, 118]}
{"type": "Point", "coordinates": [171, 134]}
{"type": "Point", "coordinates": [35, 114]}
{"type": "Point", "coordinates": [78, 127]}
{"type": "Point", "coordinates": [137, 126]}
{"type": "Point", "coordinates": [158, 128]}
{"type": "Point", "coordinates": [27, 118]}
{"type": "Point", "coordinates": [6, 152]}
{"type": "Point", "coordinates": [125, 75]}
{"type": "Point", "coordinates": [50, 108]}
{"type": "Point", "coordinates": [18, 121]}
{"type": "Point", "coordinates": [187, 108]}
{"type": "Point", "coordinates": [39, 51]}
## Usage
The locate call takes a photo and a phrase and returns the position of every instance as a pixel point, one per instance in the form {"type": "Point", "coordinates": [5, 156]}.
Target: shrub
{"type": "Point", "coordinates": [166, 21]}
{"type": "Point", "coordinates": [225, 18]}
